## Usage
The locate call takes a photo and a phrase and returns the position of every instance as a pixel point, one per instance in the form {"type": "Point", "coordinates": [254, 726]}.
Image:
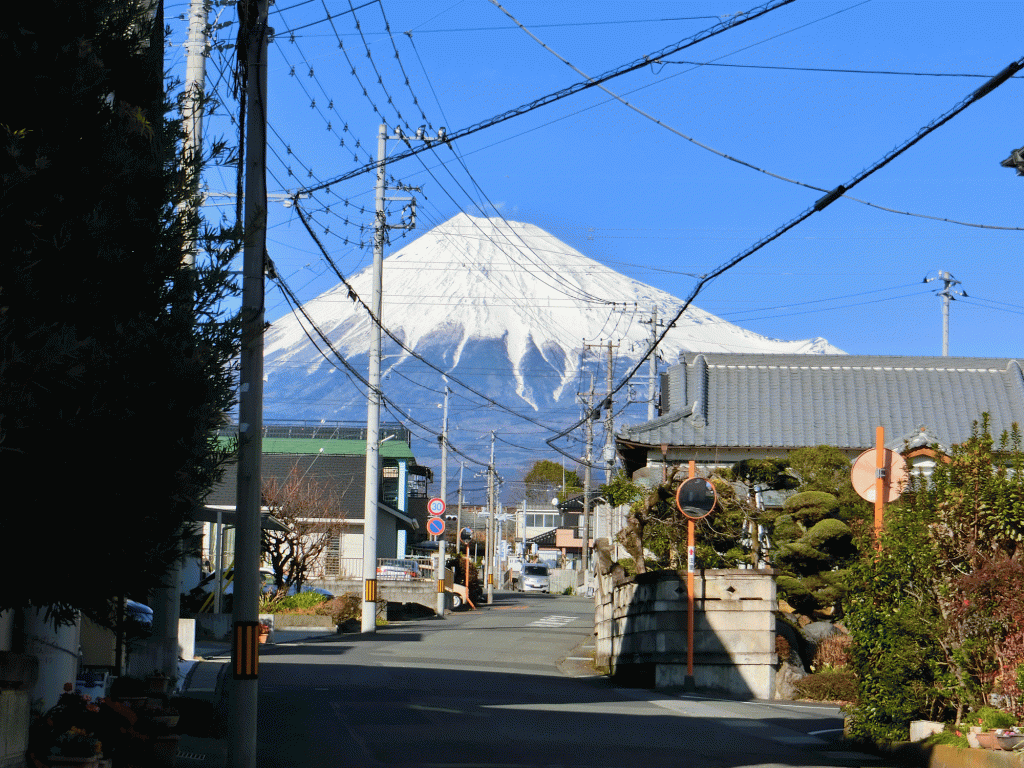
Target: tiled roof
{"type": "Point", "coordinates": [790, 401]}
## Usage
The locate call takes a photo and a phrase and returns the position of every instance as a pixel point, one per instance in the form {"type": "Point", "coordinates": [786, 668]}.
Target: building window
{"type": "Point", "coordinates": [548, 520]}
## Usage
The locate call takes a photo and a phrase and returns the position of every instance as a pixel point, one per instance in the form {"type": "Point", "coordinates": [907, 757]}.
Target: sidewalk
{"type": "Point", "coordinates": [202, 694]}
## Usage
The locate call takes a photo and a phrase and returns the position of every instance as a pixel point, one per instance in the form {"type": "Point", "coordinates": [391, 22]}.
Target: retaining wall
{"type": "Point", "coordinates": [642, 631]}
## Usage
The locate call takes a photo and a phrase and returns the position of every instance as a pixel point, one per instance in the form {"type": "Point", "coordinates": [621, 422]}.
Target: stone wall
{"type": "Point", "coordinates": [642, 631]}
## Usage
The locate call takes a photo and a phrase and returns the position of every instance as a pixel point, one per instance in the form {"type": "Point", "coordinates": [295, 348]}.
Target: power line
{"type": "Point", "coordinates": [829, 69]}
{"type": "Point", "coordinates": [739, 19]}
{"type": "Point", "coordinates": [819, 205]}
{"type": "Point", "coordinates": [355, 297]}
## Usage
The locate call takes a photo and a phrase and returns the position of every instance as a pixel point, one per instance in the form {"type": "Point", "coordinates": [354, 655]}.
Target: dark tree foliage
{"type": "Point", "coordinates": [114, 362]}
{"type": "Point", "coordinates": [935, 612]}
{"type": "Point", "coordinates": [547, 476]}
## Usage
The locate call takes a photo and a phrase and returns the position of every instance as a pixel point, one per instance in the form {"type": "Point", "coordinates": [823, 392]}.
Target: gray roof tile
{"type": "Point", "coordinates": [789, 401]}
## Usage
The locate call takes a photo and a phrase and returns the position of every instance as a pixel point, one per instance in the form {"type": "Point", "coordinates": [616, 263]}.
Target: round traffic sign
{"type": "Point", "coordinates": [436, 506]}
{"type": "Point", "coordinates": [435, 526]}
{"type": "Point", "coordinates": [696, 497]}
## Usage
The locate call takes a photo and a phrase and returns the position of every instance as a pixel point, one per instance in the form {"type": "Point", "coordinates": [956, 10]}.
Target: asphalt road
{"type": "Point", "coordinates": [508, 686]}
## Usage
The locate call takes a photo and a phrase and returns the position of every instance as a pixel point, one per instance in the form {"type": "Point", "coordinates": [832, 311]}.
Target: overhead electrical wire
{"type": "Point", "coordinates": [387, 331]}
{"type": "Point", "coordinates": [830, 69]}
{"type": "Point", "coordinates": [740, 18]}
{"type": "Point", "coordinates": [392, 407]}
{"type": "Point", "coordinates": [819, 205]}
{"type": "Point", "coordinates": [719, 152]}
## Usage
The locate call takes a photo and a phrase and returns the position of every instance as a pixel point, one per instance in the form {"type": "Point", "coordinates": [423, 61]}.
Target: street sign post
{"type": "Point", "coordinates": [436, 506]}
{"type": "Point", "coordinates": [879, 475]}
{"type": "Point", "coordinates": [695, 498]}
{"type": "Point", "coordinates": [435, 526]}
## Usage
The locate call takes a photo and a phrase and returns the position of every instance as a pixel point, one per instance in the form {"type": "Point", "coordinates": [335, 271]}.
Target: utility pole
{"type": "Point", "coordinates": [245, 649]}
{"type": "Point", "coordinates": [948, 281]}
{"type": "Point", "coordinates": [609, 424]}
{"type": "Point", "coordinates": [585, 533]}
{"type": "Point", "coordinates": [442, 549]}
{"type": "Point", "coordinates": [458, 514]}
{"type": "Point", "coordinates": [372, 486]}
{"type": "Point", "coordinates": [653, 363]}
{"type": "Point", "coordinates": [192, 113]}
{"type": "Point", "coordinates": [489, 544]}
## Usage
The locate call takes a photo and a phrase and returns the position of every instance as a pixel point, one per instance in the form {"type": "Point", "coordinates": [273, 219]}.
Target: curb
{"type": "Point", "coordinates": [946, 756]}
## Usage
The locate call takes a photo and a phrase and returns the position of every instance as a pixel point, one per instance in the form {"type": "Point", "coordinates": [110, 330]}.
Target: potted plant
{"type": "Point", "coordinates": [75, 747]}
{"type": "Point", "coordinates": [264, 632]}
{"type": "Point", "coordinates": [68, 733]}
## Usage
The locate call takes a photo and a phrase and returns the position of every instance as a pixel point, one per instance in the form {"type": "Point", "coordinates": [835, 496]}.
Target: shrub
{"type": "Point", "coordinates": [949, 738]}
{"type": "Point", "coordinates": [828, 685]}
{"type": "Point", "coordinates": [782, 647]}
{"type": "Point", "coordinates": [990, 718]}
{"type": "Point", "coordinates": [833, 653]}
{"type": "Point", "coordinates": [304, 602]}
{"type": "Point", "coordinates": [343, 608]}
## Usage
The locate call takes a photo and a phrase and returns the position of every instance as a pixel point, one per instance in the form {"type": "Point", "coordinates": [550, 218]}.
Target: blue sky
{"type": "Point", "coordinates": [641, 199]}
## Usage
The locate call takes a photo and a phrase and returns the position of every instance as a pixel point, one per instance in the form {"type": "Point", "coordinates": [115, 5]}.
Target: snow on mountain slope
{"type": "Point", "coordinates": [506, 305]}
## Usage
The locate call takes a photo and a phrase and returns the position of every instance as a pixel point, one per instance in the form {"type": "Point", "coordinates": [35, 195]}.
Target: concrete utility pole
{"type": "Point", "coordinates": [489, 545]}
{"type": "Point", "coordinates": [609, 423]}
{"type": "Point", "coordinates": [371, 497]}
{"type": "Point", "coordinates": [368, 621]}
{"type": "Point", "coordinates": [458, 513]}
{"type": "Point", "coordinates": [192, 111]}
{"type": "Point", "coordinates": [442, 548]}
{"type": "Point", "coordinates": [653, 363]}
{"type": "Point", "coordinates": [245, 648]}
{"type": "Point", "coordinates": [948, 281]}
{"type": "Point", "coordinates": [585, 532]}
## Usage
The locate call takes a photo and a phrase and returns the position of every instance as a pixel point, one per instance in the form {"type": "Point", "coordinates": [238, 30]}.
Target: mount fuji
{"type": "Point", "coordinates": [503, 307]}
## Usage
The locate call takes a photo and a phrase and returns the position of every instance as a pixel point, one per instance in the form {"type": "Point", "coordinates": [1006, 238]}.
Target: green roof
{"type": "Point", "coordinates": [389, 449]}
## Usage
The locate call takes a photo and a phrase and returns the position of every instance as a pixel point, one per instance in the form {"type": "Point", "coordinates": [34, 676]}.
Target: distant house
{"type": "Point", "coordinates": [335, 457]}
{"type": "Point", "coordinates": [720, 408]}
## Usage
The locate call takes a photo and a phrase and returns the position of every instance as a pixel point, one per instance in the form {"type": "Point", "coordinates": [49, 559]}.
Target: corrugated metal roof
{"type": "Point", "coordinates": [791, 401]}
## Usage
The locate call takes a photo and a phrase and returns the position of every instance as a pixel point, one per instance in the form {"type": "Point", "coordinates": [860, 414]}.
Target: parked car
{"type": "Point", "coordinates": [138, 618]}
{"type": "Point", "coordinates": [398, 570]}
{"type": "Point", "coordinates": [535, 578]}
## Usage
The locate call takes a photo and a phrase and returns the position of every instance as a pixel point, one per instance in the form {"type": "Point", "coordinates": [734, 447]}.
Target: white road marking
{"type": "Point", "coordinates": [553, 621]}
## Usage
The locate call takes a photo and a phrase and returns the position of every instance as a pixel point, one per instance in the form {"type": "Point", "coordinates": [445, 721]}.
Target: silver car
{"type": "Point", "coordinates": [535, 578]}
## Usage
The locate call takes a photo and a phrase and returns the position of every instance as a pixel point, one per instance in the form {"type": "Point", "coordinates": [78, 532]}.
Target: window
{"type": "Point", "coordinates": [547, 520]}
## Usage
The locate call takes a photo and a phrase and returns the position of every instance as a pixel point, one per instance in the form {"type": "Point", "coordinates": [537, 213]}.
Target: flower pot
{"type": "Point", "coordinates": [263, 637]}
{"type": "Point", "coordinates": [165, 749]}
{"type": "Point", "coordinates": [988, 740]}
{"type": "Point", "coordinates": [1009, 743]}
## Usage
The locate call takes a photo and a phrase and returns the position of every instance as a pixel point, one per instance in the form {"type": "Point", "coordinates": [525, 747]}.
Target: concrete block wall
{"type": "Point", "coordinates": [642, 631]}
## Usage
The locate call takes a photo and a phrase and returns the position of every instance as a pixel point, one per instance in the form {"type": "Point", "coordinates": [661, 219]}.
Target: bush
{"type": "Point", "coordinates": [948, 738]}
{"type": "Point", "coordinates": [343, 608]}
{"type": "Point", "coordinates": [990, 718]}
{"type": "Point", "coordinates": [833, 653]}
{"type": "Point", "coordinates": [828, 685]}
{"type": "Point", "coordinates": [304, 602]}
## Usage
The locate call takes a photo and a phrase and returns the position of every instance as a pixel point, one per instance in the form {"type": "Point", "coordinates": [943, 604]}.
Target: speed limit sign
{"type": "Point", "coordinates": [436, 506]}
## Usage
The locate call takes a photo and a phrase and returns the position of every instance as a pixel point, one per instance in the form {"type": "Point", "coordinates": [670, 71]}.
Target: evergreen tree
{"type": "Point", "coordinates": [114, 362]}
